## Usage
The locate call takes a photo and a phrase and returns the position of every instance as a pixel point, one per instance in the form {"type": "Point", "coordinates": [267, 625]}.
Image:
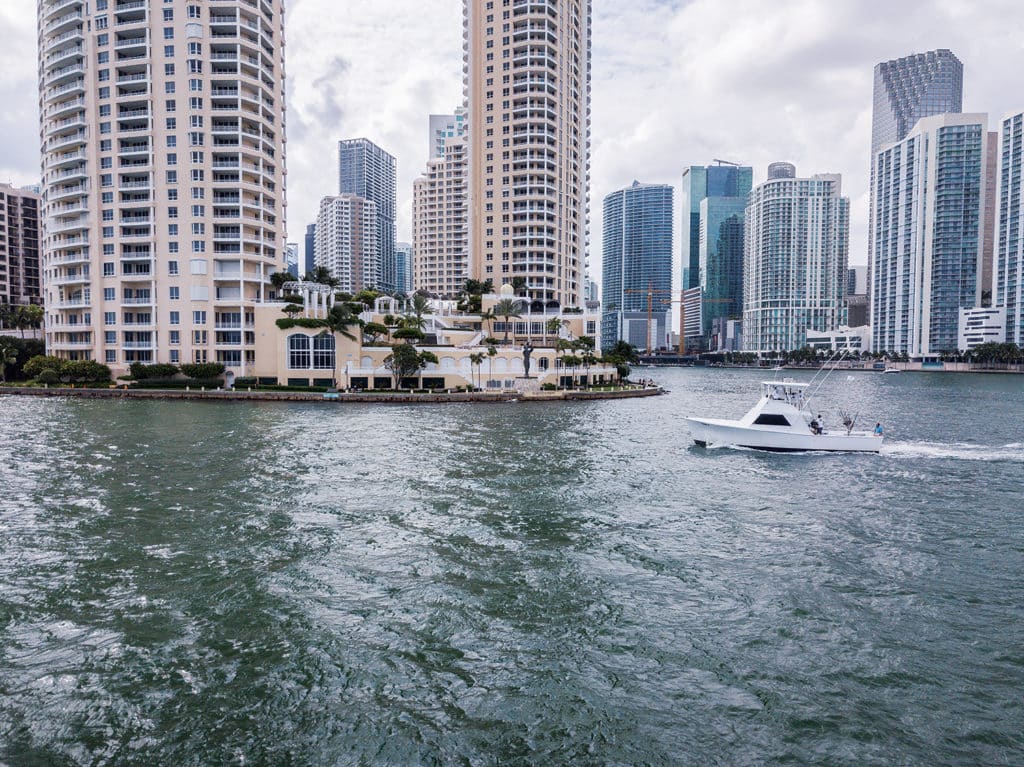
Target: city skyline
{"type": "Point", "coordinates": [344, 87]}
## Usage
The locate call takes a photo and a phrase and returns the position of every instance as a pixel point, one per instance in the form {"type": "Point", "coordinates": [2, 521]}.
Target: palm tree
{"type": "Point", "coordinates": [476, 360]}
{"type": "Point", "coordinates": [488, 316]}
{"type": "Point", "coordinates": [492, 352]}
{"type": "Point", "coordinates": [322, 275]}
{"type": "Point", "coordinates": [339, 319]}
{"type": "Point", "coordinates": [507, 307]}
{"type": "Point", "coordinates": [278, 279]}
{"type": "Point", "coordinates": [588, 359]}
{"type": "Point", "coordinates": [8, 356]}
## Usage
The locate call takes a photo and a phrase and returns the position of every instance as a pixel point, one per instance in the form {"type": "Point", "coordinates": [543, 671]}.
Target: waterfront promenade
{"type": "Point", "coordinates": [228, 395]}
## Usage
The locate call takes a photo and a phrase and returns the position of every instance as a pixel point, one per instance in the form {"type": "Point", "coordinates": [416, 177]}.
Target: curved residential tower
{"type": "Point", "coordinates": [162, 132]}
{"type": "Point", "coordinates": [527, 87]}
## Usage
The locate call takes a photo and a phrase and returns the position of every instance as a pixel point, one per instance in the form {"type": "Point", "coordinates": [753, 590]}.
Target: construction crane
{"type": "Point", "coordinates": [682, 315]}
{"type": "Point", "coordinates": [651, 293]}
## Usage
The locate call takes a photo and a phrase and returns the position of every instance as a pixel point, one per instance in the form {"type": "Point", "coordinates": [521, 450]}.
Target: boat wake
{"type": "Point", "coordinates": [1014, 452]}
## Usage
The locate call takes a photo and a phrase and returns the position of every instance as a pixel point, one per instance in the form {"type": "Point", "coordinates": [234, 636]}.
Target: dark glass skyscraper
{"type": "Point", "coordinates": [915, 86]}
{"type": "Point", "coordinates": [637, 256]}
{"type": "Point", "coordinates": [366, 170]}
{"type": "Point", "coordinates": [731, 182]}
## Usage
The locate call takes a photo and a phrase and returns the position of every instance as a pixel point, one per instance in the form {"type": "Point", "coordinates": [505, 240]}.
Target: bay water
{"type": "Point", "coordinates": [193, 583]}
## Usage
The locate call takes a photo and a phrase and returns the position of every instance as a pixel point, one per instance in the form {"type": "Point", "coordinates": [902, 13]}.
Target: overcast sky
{"type": "Point", "coordinates": [675, 83]}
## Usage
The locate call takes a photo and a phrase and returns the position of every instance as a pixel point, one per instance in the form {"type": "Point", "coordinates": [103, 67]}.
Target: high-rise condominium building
{"type": "Point", "coordinates": [527, 69]}
{"type": "Point", "coordinates": [403, 266]}
{"type": "Point", "coordinates": [1008, 278]}
{"type": "Point", "coordinates": [637, 261]}
{"type": "Point", "coordinates": [928, 242]}
{"type": "Point", "coordinates": [162, 129]}
{"type": "Point", "coordinates": [440, 229]}
{"type": "Point", "coordinates": [444, 128]}
{"type": "Point", "coordinates": [347, 241]}
{"type": "Point", "coordinates": [727, 186]}
{"type": "Point", "coordinates": [905, 91]}
{"type": "Point", "coordinates": [309, 248]}
{"type": "Point", "coordinates": [20, 272]}
{"type": "Point", "coordinates": [795, 271]}
{"type": "Point", "coordinates": [291, 259]}
{"type": "Point", "coordinates": [367, 171]}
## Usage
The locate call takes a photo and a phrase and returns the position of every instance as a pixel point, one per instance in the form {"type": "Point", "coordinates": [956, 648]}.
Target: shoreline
{"type": "Point", "coordinates": [571, 395]}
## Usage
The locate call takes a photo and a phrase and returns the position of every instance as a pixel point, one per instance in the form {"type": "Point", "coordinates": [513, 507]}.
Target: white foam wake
{"type": "Point", "coordinates": [956, 450]}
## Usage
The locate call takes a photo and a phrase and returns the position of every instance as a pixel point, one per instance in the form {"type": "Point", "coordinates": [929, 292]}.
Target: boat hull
{"type": "Point", "coordinates": [708, 432]}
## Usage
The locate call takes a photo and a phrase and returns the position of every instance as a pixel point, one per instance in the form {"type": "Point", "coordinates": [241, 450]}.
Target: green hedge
{"type": "Point", "coordinates": [286, 323]}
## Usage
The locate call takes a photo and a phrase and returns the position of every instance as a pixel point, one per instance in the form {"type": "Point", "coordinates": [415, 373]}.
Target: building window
{"type": "Point", "coordinates": [323, 352]}
{"type": "Point", "coordinates": [198, 318]}
{"type": "Point", "coordinates": [108, 269]}
{"type": "Point", "coordinates": [109, 294]}
{"type": "Point", "coordinates": [175, 318]}
{"type": "Point", "coordinates": [110, 355]}
{"type": "Point", "coordinates": [174, 337]}
{"type": "Point", "coordinates": [172, 268]}
{"type": "Point", "coordinates": [175, 293]}
{"type": "Point", "coordinates": [298, 352]}
{"type": "Point", "coordinates": [175, 356]}
{"type": "Point", "coordinates": [109, 318]}
{"type": "Point", "coordinates": [110, 336]}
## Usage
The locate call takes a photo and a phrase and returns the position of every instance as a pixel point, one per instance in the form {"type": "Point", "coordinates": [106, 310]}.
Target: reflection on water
{"type": "Point", "coordinates": [214, 583]}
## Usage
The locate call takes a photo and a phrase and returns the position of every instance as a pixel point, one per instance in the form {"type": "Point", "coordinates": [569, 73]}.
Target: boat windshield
{"type": "Point", "coordinates": [784, 391]}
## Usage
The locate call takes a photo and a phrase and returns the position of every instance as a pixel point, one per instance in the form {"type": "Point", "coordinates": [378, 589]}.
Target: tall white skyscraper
{"type": "Point", "coordinates": [439, 223]}
{"type": "Point", "coordinates": [346, 241]}
{"type": "Point", "coordinates": [929, 237]}
{"type": "Point", "coordinates": [162, 129]}
{"type": "Point", "coordinates": [906, 90]}
{"type": "Point", "coordinates": [796, 252]}
{"type": "Point", "coordinates": [1008, 278]}
{"type": "Point", "coordinates": [527, 68]}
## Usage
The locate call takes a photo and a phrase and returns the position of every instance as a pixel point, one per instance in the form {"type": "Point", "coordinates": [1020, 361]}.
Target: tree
{"type": "Point", "coordinates": [587, 358]}
{"type": "Point", "coordinates": [519, 286]}
{"type": "Point", "coordinates": [366, 297]}
{"type": "Point", "coordinates": [492, 352]}
{"type": "Point", "coordinates": [571, 361]}
{"type": "Point", "coordinates": [8, 356]}
{"type": "Point", "coordinates": [39, 363]}
{"type": "Point", "coordinates": [409, 334]}
{"type": "Point", "coordinates": [623, 351]}
{"type": "Point", "coordinates": [554, 326]}
{"type": "Point", "coordinates": [374, 330]}
{"type": "Point", "coordinates": [420, 306]}
{"type": "Point", "coordinates": [323, 276]}
{"type": "Point", "coordinates": [477, 360]}
{"type": "Point", "coordinates": [507, 307]}
{"type": "Point", "coordinates": [426, 357]}
{"type": "Point", "coordinates": [278, 279]}
{"type": "Point", "coordinates": [338, 321]}
{"type": "Point", "coordinates": [405, 361]}
{"type": "Point", "coordinates": [31, 315]}
{"type": "Point", "coordinates": [489, 317]}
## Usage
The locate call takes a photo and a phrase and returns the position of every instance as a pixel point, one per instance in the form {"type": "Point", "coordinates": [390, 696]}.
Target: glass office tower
{"type": "Point", "coordinates": [637, 258]}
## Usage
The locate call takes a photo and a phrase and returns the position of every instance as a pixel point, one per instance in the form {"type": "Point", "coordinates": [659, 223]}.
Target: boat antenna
{"type": "Point", "coordinates": [831, 370]}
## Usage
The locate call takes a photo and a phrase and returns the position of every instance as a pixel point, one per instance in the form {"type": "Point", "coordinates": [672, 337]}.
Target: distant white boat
{"type": "Point", "coordinates": [891, 370]}
{"type": "Point", "coordinates": [782, 421]}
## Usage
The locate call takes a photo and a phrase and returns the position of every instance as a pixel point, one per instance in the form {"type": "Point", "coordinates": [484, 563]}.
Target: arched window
{"type": "Point", "coordinates": [323, 352]}
{"type": "Point", "coordinates": [298, 352]}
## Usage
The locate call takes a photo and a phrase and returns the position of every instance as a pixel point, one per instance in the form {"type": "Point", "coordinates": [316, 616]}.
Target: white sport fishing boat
{"type": "Point", "coordinates": [782, 421]}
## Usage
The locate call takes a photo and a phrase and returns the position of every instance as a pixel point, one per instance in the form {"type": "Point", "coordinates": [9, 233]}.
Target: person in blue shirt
{"type": "Point", "coordinates": [879, 431]}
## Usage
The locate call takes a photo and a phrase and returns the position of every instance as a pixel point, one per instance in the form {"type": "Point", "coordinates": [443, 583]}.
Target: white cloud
{"type": "Point", "coordinates": [675, 83]}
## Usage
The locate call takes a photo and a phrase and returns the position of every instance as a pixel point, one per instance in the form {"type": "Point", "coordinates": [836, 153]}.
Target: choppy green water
{"type": "Point", "coordinates": [209, 583]}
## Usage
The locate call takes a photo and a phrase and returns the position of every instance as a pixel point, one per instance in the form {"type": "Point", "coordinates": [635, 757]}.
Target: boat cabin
{"type": "Point", "coordinates": [791, 393]}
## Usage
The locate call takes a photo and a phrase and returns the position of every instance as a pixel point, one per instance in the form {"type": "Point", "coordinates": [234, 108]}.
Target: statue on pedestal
{"type": "Point", "coordinates": [527, 351]}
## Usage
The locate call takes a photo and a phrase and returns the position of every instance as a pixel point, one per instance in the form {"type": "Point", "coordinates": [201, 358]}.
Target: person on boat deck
{"type": "Point", "coordinates": [879, 430]}
{"type": "Point", "coordinates": [816, 425]}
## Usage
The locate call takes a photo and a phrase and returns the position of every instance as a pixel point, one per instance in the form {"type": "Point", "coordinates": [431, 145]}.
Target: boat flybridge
{"type": "Point", "coordinates": [782, 421]}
